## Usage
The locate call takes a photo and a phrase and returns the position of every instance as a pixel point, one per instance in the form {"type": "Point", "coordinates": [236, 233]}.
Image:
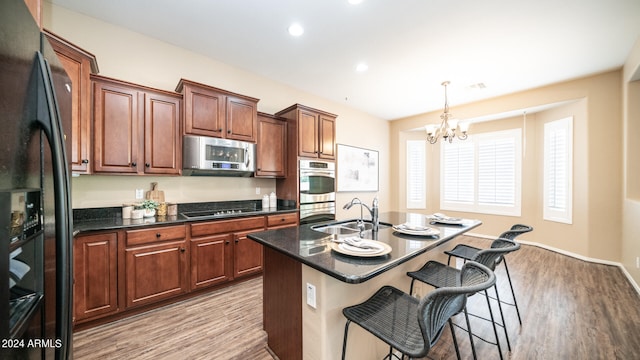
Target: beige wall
{"type": "Point", "coordinates": [594, 102]}
{"type": "Point", "coordinates": [631, 196]}
{"type": "Point", "coordinates": [133, 57]}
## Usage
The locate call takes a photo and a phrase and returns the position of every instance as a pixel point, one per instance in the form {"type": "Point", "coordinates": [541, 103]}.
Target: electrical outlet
{"type": "Point", "coordinates": [311, 295]}
{"type": "Point", "coordinates": [139, 194]}
{"type": "Point", "coordinates": [257, 191]}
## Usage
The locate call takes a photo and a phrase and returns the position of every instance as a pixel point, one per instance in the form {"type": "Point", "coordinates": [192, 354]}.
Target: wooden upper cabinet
{"type": "Point", "coordinates": [271, 154]}
{"type": "Point", "coordinates": [116, 127]}
{"type": "Point", "coordinates": [307, 133]}
{"type": "Point", "coordinates": [136, 129]}
{"type": "Point", "coordinates": [316, 131]}
{"type": "Point", "coordinates": [78, 64]}
{"type": "Point", "coordinates": [326, 137]}
{"type": "Point", "coordinates": [162, 150]}
{"type": "Point", "coordinates": [209, 111]}
{"type": "Point", "coordinates": [204, 110]}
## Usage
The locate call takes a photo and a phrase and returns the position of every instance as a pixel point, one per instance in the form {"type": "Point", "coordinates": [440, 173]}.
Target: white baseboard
{"type": "Point", "coordinates": [573, 255]}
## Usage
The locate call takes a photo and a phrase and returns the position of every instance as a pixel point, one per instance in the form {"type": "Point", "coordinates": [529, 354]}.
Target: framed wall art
{"type": "Point", "coordinates": [357, 169]}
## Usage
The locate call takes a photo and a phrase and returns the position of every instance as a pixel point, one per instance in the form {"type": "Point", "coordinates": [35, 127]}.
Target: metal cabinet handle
{"type": "Point", "coordinates": [85, 161]}
{"type": "Point", "coordinates": [134, 164]}
{"type": "Point", "coordinates": [147, 164]}
{"type": "Point", "coordinates": [182, 250]}
{"type": "Point", "coordinates": [158, 235]}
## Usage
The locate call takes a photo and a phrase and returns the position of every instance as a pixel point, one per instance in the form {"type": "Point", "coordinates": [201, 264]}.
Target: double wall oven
{"type": "Point", "coordinates": [317, 191]}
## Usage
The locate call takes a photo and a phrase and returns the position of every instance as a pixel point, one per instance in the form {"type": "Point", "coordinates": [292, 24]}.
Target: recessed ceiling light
{"type": "Point", "coordinates": [296, 29]}
{"type": "Point", "coordinates": [362, 67]}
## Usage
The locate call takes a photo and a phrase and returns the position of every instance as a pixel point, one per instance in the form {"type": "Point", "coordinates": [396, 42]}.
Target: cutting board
{"type": "Point", "coordinates": [155, 194]}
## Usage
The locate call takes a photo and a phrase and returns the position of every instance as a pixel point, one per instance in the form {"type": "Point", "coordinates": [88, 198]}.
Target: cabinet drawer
{"type": "Point", "coordinates": [226, 226]}
{"type": "Point", "coordinates": [282, 219]}
{"type": "Point", "coordinates": [145, 236]}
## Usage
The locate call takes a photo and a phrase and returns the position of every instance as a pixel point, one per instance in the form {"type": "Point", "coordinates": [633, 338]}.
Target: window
{"type": "Point", "coordinates": [416, 195]}
{"type": "Point", "coordinates": [558, 170]}
{"type": "Point", "coordinates": [482, 174]}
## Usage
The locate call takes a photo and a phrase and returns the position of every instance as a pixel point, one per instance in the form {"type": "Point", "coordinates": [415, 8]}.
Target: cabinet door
{"type": "Point", "coordinates": [95, 269]}
{"type": "Point", "coordinates": [307, 133]}
{"type": "Point", "coordinates": [77, 64]}
{"type": "Point", "coordinates": [327, 138]}
{"type": "Point", "coordinates": [162, 150]}
{"type": "Point", "coordinates": [117, 120]}
{"type": "Point", "coordinates": [210, 260]}
{"type": "Point", "coordinates": [155, 272]}
{"type": "Point", "coordinates": [204, 111]}
{"type": "Point", "coordinates": [271, 156]}
{"type": "Point", "coordinates": [247, 256]}
{"type": "Point", "coordinates": [241, 119]}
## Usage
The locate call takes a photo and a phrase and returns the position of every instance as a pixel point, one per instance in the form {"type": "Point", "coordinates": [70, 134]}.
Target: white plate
{"type": "Point", "coordinates": [416, 230]}
{"type": "Point", "coordinates": [381, 249]}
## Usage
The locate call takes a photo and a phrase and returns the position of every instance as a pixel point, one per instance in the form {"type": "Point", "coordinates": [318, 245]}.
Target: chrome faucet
{"type": "Point", "coordinates": [373, 210]}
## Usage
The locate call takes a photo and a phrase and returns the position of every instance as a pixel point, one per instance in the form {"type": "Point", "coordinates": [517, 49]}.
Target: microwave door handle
{"type": "Point", "coordinates": [246, 157]}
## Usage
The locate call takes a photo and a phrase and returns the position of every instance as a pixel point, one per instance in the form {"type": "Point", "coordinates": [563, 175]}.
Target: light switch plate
{"type": "Point", "coordinates": [311, 295]}
{"type": "Point", "coordinates": [139, 194]}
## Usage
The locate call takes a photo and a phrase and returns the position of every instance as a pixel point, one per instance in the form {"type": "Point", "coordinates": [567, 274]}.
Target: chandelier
{"type": "Point", "coordinates": [448, 126]}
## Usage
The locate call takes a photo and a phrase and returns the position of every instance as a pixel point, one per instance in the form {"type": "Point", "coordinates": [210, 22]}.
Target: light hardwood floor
{"type": "Point", "coordinates": [570, 309]}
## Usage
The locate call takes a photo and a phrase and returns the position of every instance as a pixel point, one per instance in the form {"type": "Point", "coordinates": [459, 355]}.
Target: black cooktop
{"type": "Point", "coordinates": [217, 212]}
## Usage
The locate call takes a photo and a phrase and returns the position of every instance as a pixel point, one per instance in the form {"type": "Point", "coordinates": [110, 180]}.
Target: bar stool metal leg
{"type": "Point", "coordinates": [493, 322]}
{"type": "Point", "coordinates": [513, 294]}
{"type": "Point", "coordinates": [504, 324]}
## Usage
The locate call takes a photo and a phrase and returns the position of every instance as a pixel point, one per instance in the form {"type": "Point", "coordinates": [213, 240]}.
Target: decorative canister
{"type": "Point", "coordinates": [149, 213]}
{"type": "Point", "coordinates": [137, 214]}
{"type": "Point", "coordinates": [273, 200]}
{"type": "Point", "coordinates": [265, 202]}
{"type": "Point", "coordinates": [161, 210]}
{"type": "Point", "coordinates": [172, 209]}
{"type": "Point", "coordinates": [126, 211]}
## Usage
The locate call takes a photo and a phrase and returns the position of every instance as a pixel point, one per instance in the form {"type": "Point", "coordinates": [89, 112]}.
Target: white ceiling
{"type": "Point", "coordinates": [410, 46]}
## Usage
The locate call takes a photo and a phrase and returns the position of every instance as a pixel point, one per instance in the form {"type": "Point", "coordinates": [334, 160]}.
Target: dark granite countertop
{"type": "Point", "coordinates": [312, 247]}
{"type": "Point", "coordinates": [95, 219]}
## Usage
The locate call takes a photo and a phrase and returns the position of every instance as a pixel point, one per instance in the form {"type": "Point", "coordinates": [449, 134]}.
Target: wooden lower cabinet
{"type": "Point", "coordinates": [210, 259]}
{"type": "Point", "coordinates": [155, 272]}
{"type": "Point", "coordinates": [95, 265]}
{"type": "Point", "coordinates": [221, 251]}
{"type": "Point", "coordinates": [127, 271]}
{"type": "Point", "coordinates": [155, 261]}
{"type": "Point", "coordinates": [247, 259]}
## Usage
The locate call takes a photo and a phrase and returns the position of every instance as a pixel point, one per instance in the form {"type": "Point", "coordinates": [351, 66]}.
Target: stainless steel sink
{"type": "Point", "coordinates": [349, 227]}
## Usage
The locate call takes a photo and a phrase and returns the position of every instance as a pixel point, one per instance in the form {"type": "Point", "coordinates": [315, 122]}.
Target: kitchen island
{"type": "Point", "coordinates": [307, 284]}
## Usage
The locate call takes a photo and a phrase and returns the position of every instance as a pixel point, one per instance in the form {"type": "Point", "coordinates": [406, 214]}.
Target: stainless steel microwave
{"type": "Point", "coordinates": [202, 155]}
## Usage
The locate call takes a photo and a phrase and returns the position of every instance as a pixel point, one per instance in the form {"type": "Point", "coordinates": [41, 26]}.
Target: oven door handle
{"type": "Point", "coordinates": [330, 174]}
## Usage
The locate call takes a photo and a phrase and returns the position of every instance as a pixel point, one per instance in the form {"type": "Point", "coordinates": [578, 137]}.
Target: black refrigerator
{"type": "Point", "coordinates": [35, 202]}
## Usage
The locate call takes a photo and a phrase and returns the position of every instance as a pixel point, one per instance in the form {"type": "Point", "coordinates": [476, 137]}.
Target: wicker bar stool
{"type": "Point", "coordinates": [413, 326]}
{"type": "Point", "coordinates": [440, 275]}
{"type": "Point", "coordinates": [467, 252]}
